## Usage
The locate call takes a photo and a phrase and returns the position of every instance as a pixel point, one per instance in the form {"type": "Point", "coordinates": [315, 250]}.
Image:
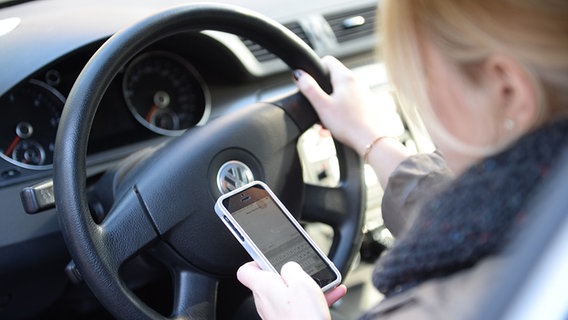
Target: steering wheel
{"type": "Point", "coordinates": [164, 202]}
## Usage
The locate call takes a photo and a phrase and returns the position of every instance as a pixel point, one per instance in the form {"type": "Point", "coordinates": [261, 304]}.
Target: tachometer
{"type": "Point", "coordinates": [30, 116]}
{"type": "Point", "coordinates": [165, 93]}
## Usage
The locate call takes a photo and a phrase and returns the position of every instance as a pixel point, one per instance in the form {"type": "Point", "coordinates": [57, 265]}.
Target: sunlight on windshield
{"type": "Point", "coordinates": [7, 25]}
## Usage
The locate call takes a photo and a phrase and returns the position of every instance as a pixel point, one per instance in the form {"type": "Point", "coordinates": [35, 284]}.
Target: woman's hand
{"type": "Point", "coordinates": [348, 112]}
{"type": "Point", "coordinates": [291, 295]}
{"type": "Point", "coordinates": [352, 119]}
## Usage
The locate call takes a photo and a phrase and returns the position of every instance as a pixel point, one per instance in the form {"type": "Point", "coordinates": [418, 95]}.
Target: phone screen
{"type": "Point", "coordinates": [275, 235]}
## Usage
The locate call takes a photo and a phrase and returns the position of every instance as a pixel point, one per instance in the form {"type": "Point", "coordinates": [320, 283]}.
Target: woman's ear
{"type": "Point", "coordinates": [513, 93]}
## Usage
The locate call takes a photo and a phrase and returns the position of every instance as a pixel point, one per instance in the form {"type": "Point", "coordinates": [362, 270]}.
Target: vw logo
{"type": "Point", "coordinates": [233, 174]}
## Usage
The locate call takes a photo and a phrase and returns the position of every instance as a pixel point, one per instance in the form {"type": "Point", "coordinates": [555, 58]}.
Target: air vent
{"type": "Point", "coordinates": [353, 24]}
{"type": "Point", "coordinates": [263, 55]}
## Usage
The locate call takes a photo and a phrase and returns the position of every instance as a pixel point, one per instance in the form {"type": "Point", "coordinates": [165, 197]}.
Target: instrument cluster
{"type": "Point", "coordinates": [159, 93]}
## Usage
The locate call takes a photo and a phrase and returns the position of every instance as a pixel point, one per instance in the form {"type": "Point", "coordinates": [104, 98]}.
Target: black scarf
{"type": "Point", "coordinates": [474, 216]}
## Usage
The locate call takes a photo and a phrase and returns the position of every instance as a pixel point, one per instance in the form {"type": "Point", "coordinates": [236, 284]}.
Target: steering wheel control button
{"type": "Point", "coordinates": [10, 173]}
{"type": "Point", "coordinates": [233, 174]}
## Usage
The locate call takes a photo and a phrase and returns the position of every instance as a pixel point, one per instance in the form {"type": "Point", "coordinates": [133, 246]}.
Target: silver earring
{"type": "Point", "coordinates": [509, 124]}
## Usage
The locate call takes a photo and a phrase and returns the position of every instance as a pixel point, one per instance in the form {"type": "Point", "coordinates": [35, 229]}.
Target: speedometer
{"type": "Point", "coordinates": [165, 93]}
{"type": "Point", "coordinates": [29, 124]}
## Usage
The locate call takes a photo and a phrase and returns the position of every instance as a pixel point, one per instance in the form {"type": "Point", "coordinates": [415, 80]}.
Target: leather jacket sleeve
{"type": "Point", "coordinates": [413, 182]}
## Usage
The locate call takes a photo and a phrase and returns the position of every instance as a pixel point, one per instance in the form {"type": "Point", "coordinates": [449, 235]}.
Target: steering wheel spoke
{"type": "Point", "coordinates": [298, 109]}
{"type": "Point", "coordinates": [126, 229]}
{"type": "Point", "coordinates": [327, 205]}
{"type": "Point", "coordinates": [194, 295]}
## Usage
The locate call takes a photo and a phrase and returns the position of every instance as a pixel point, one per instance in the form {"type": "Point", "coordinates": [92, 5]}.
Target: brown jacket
{"type": "Point", "coordinates": [454, 297]}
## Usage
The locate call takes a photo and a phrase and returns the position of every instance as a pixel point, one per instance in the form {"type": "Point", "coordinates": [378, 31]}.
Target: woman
{"type": "Point", "coordinates": [490, 80]}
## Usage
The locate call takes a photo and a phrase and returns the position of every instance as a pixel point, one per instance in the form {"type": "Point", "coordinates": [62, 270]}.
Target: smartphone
{"type": "Point", "coordinates": [271, 235]}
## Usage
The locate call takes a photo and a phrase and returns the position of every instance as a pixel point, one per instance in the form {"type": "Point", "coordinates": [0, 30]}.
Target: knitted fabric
{"type": "Point", "coordinates": [474, 216]}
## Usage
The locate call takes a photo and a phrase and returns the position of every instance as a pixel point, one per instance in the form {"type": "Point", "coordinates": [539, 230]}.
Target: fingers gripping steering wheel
{"type": "Point", "coordinates": [165, 202]}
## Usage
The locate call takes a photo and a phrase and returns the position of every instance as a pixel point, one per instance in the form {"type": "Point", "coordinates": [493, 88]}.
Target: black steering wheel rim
{"type": "Point", "coordinates": [70, 174]}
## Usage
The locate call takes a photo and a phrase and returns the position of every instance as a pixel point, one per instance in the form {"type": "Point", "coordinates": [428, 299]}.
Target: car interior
{"type": "Point", "coordinates": [118, 118]}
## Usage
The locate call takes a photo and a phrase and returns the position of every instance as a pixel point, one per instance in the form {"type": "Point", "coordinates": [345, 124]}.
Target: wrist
{"type": "Point", "coordinates": [372, 146]}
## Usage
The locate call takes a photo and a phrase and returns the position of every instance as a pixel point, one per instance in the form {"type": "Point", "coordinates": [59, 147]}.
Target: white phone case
{"type": "Point", "coordinates": [240, 234]}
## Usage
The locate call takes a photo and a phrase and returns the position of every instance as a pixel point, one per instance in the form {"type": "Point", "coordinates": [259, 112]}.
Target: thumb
{"type": "Point", "coordinates": [249, 273]}
{"type": "Point", "coordinates": [293, 274]}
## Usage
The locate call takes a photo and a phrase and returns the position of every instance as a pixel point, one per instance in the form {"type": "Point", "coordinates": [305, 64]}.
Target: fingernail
{"type": "Point", "coordinates": [297, 74]}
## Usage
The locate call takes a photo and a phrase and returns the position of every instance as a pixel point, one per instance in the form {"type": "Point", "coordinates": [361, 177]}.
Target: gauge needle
{"type": "Point", "coordinates": [151, 113]}
{"type": "Point", "coordinates": [12, 146]}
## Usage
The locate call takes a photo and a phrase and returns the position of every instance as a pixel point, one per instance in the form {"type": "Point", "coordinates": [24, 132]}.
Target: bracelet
{"type": "Point", "coordinates": [370, 146]}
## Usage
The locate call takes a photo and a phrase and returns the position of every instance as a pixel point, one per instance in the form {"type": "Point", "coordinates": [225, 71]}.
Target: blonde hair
{"type": "Point", "coordinates": [534, 33]}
